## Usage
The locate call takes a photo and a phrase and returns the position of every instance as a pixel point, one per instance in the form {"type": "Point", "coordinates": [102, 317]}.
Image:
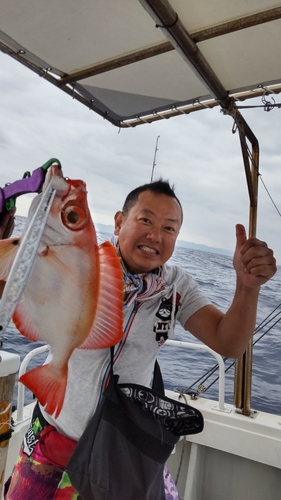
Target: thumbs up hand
{"type": "Point", "coordinates": [253, 261]}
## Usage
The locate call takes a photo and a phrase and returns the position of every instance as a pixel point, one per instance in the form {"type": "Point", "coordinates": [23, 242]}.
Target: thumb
{"type": "Point", "coordinates": [241, 236]}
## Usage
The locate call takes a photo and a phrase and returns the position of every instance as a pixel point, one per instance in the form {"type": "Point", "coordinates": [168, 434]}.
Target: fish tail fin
{"type": "Point", "coordinates": [48, 385]}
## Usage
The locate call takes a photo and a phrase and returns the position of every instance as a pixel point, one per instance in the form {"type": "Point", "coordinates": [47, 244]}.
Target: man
{"type": "Point", "coordinates": [147, 234]}
{"type": "Point", "coordinates": [155, 296]}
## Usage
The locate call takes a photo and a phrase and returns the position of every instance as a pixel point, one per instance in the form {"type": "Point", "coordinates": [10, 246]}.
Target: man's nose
{"type": "Point", "coordinates": [154, 234]}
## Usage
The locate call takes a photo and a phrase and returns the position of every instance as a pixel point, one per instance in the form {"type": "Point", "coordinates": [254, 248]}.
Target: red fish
{"type": "Point", "coordinates": [74, 294]}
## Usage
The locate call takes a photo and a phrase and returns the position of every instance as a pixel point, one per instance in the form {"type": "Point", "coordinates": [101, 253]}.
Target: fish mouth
{"type": "Point", "coordinates": [147, 249]}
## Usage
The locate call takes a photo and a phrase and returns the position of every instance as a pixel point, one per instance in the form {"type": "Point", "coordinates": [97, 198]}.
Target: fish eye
{"type": "Point", "coordinates": [74, 217]}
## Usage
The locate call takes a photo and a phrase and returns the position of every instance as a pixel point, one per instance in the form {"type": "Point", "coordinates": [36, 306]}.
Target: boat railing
{"type": "Point", "coordinates": [203, 347]}
{"type": "Point", "coordinates": [174, 343]}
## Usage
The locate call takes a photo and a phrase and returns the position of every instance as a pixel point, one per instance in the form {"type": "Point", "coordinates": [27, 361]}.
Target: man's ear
{"type": "Point", "coordinates": [118, 219]}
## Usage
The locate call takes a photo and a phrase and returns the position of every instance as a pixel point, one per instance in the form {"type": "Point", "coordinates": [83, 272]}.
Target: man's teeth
{"type": "Point", "coordinates": [147, 249]}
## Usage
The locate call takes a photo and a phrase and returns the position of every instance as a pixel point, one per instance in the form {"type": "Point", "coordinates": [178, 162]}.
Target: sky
{"type": "Point", "coordinates": [198, 153]}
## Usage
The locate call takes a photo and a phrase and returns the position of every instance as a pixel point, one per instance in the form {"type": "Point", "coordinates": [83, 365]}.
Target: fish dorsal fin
{"type": "Point", "coordinates": [107, 329]}
{"type": "Point", "coordinates": [8, 250]}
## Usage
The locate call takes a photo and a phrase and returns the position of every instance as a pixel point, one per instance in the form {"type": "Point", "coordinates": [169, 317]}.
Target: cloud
{"type": "Point", "coordinates": [196, 152]}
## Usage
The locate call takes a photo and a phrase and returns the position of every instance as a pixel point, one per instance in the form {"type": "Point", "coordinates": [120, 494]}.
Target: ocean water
{"type": "Point", "coordinates": [187, 369]}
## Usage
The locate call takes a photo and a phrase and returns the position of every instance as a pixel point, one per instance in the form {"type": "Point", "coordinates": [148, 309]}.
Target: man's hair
{"type": "Point", "coordinates": [158, 187]}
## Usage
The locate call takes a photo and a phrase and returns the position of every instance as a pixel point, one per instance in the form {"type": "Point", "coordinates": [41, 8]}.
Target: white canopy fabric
{"type": "Point", "coordinates": [134, 61]}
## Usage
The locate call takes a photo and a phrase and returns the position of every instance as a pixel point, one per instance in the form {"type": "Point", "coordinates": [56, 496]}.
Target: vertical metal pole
{"type": "Point", "coordinates": [243, 368]}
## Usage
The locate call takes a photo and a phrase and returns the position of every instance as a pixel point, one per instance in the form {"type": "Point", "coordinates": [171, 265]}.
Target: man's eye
{"type": "Point", "coordinates": [171, 229]}
{"type": "Point", "coordinates": [144, 219]}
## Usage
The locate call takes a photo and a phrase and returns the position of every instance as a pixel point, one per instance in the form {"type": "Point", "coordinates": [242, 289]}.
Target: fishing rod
{"type": "Point", "coordinates": [154, 159]}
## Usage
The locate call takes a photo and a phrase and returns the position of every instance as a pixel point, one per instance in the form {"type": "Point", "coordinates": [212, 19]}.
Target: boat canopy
{"type": "Point", "coordinates": [135, 61]}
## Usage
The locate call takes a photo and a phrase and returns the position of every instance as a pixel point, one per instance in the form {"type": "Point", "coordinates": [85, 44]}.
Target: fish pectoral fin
{"type": "Point", "coordinates": [49, 386]}
{"type": "Point", "coordinates": [8, 250]}
{"type": "Point", "coordinates": [107, 329]}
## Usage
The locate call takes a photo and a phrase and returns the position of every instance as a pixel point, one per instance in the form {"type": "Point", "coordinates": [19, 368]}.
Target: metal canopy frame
{"type": "Point", "coordinates": [171, 35]}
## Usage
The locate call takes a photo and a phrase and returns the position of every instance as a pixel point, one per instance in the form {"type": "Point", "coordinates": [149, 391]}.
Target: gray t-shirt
{"type": "Point", "coordinates": [147, 324]}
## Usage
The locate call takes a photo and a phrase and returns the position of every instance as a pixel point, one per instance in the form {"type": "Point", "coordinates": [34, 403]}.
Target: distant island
{"type": "Point", "coordinates": [106, 228]}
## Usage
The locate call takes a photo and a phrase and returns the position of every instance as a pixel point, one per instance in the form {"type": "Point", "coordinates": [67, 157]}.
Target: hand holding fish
{"type": "Point", "coordinates": [6, 223]}
{"type": "Point", "coordinates": [6, 229]}
{"type": "Point", "coordinates": [253, 261]}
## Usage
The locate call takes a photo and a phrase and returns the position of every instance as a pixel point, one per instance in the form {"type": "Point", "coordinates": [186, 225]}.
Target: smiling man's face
{"type": "Point", "coordinates": [147, 235]}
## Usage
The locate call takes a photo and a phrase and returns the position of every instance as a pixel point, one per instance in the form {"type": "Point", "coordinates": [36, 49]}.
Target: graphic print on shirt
{"type": "Point", "coordinates": [164, 313]}
{"type": "Point", "coordinates": [31, 437]}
